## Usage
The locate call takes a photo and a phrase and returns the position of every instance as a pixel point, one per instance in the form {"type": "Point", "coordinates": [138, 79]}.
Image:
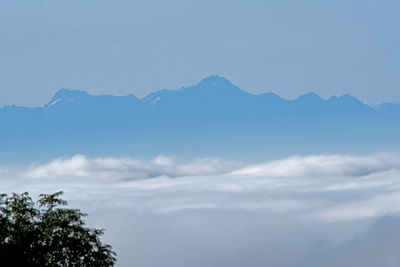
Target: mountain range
{"type": "Point", "coordinates": [205, 119]}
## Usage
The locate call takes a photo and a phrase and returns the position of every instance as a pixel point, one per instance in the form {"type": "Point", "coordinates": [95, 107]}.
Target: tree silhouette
{"type": "Point", "coordinates": [47, 233]}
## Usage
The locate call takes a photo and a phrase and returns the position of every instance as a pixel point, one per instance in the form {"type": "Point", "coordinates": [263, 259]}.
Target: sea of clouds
{"type": "Point", "coordinates": [316, 210]}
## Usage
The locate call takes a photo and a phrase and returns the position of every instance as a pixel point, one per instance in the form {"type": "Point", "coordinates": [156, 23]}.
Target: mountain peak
{"type": "Point", "coordinates": [309, 97]}
{"type": "Point", "coordinates": [214, 80]}
{"type": "Point", "coordinates": [68, 96]}
{"type": "Point", "coordinates": [214, 86]}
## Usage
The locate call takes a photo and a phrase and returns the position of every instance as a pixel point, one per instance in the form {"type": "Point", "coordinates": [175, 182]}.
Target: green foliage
{"type": "Point", "coordinates": [48, 234]}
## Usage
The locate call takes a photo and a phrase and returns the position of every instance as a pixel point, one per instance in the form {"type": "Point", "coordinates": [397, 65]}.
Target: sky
{"type": "Point", "coordinates": [124, 47]}
{"type": "Point", "coordinates": [315, 210]}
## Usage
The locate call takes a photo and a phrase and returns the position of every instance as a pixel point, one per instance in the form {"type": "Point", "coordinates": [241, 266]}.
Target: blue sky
{"type": "Point", "coordinates": [119, 47]}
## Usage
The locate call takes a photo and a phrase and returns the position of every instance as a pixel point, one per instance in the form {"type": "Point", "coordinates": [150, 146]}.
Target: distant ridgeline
{"type": "Point", "coordinates": [210, 118]}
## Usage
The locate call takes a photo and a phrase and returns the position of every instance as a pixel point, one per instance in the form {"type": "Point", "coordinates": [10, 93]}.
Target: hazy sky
{"type": "Point", "coordinates": [121, 47]}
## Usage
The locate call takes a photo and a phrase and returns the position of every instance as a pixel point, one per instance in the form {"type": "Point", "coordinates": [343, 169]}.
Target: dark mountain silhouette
{"type": "Point", "coordinates": [212, 116]}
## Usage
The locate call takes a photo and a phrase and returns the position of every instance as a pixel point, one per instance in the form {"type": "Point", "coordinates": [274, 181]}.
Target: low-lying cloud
{"type": "Point", "coordinates": [324, 165]}
{"type": "Point", "coordinates": [126, 168]}
{"type": "Point", "coordinates": [323, 187]}
{"type": "Point", "coordinates": [133, 169]}
{"type": "Point", "coordinates": [208, 197]}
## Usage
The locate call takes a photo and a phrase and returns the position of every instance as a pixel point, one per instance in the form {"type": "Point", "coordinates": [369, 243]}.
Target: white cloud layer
{"type": "Point", "coordinates": [325, 187]}
{"type": "Point", "coordinates": [207, 198]}
{"type": "Point", "coordinates": [126, 168]}
{"type": "Point", "coordinates": [324, 165]}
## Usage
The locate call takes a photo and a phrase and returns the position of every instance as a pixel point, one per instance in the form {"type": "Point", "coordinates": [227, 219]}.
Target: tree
{"type": "Point", "coordinates": [47, 233]}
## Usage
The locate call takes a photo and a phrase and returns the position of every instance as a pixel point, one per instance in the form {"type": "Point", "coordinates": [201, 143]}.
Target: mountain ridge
{"type": "Point", "coordinates": [210, 84]}
{"type": "Point", "coordinates": [204, 117]}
